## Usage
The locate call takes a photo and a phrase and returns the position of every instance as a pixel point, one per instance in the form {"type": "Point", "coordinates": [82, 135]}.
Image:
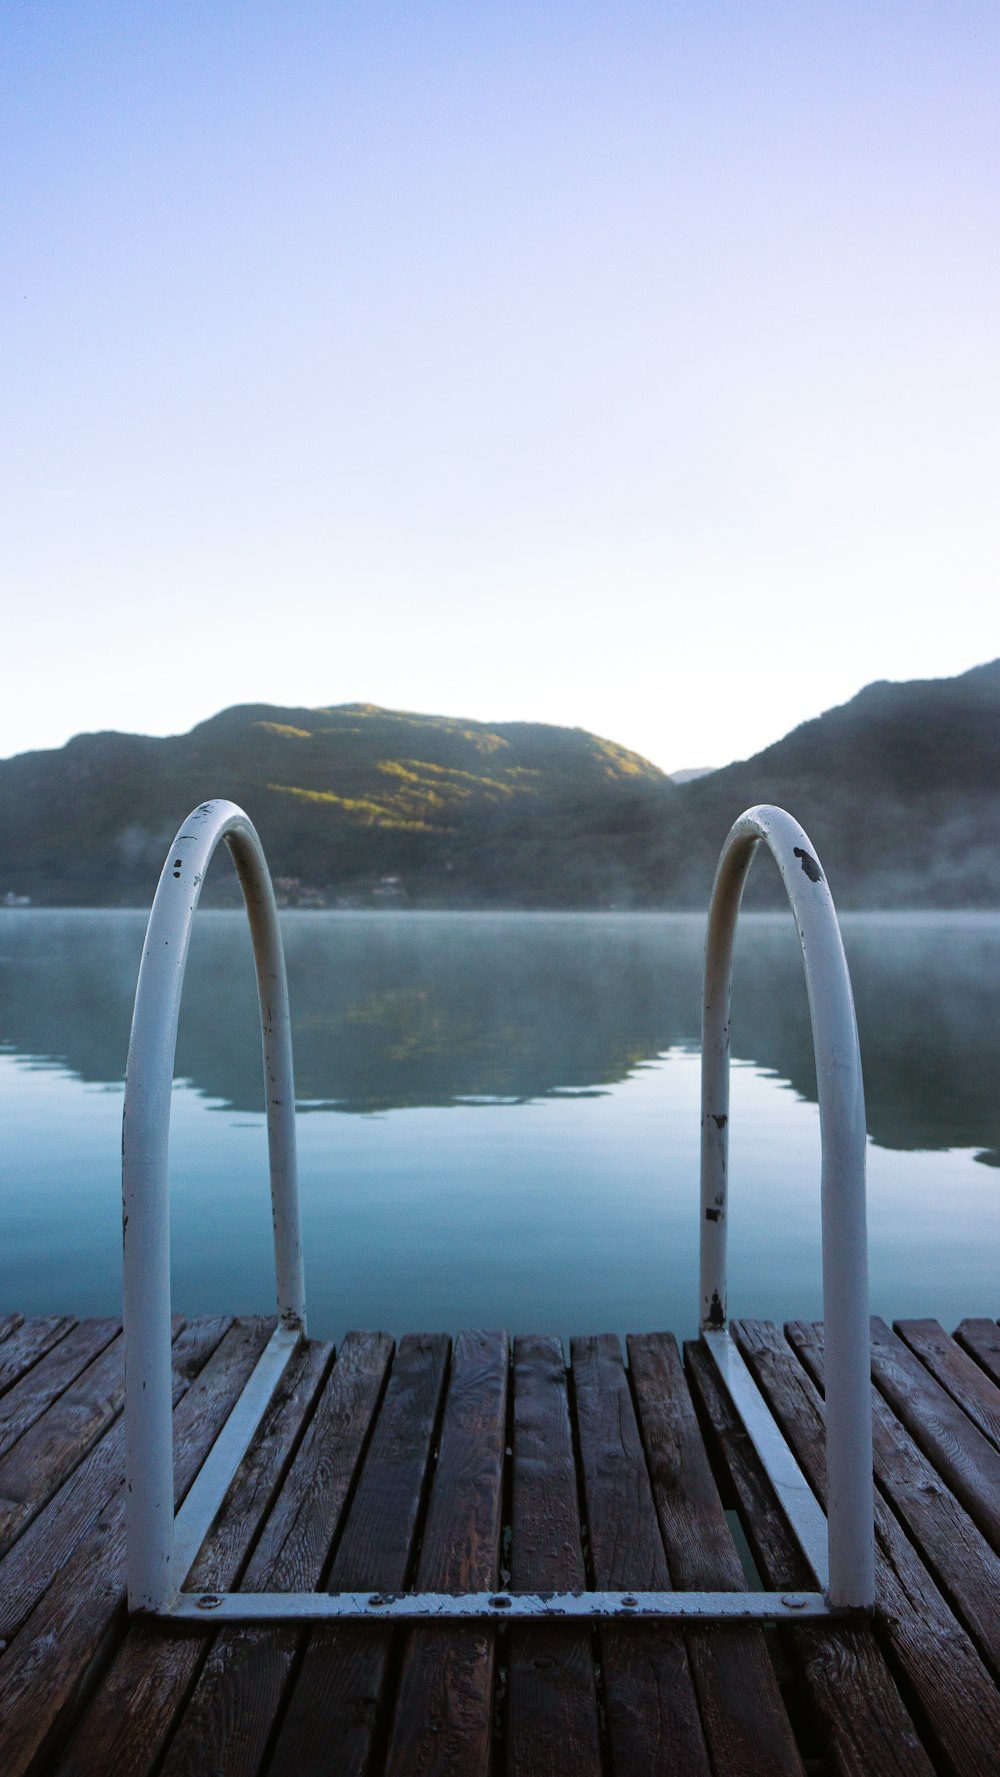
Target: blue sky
{"type": "Point", "coordinates": [630, 366]}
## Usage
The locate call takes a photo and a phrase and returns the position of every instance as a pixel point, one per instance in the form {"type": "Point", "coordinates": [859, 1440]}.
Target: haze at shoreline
{"type": "Point", "coordinates": [899, 790]}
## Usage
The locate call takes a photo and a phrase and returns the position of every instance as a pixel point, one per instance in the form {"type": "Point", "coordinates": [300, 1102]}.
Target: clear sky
{"type": "Point", "coordinates": [629, 365]}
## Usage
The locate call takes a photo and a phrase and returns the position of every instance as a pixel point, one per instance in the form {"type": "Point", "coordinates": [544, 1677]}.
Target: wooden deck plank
{"type": "Point", "coordinates": [964, 1458]}
{"type": "Point", "coordinates": [296, 1542]}
{"type": "Point", "coordinates": [654, 1723]}
{"type": "Point", "coordinates": [43, 1549]}
{"type": "Point", "coordinates": [742, 1713]}
{"type": "Point", "coordinates": [340, 1687]}
{"type": "Point", "coordinates": [46, 1666]}
{"type": "Point", "coordinates": [553, 1728]}
{"type": "Point", "coordinates": [50, 1376]}
{"type": "Point", "coordinates": [981, 1339]}
{"type": "Point", "coordinates": [59, 1438]}
{"type": "Point", "coordinates": [848, 1688]}
{"type": "Point", "coordinates": [131, 1715]}
{"type": "Point", "coordinates": [9, 1323]}
{"type": "Point", "coordinates": [320, 1501]}
{"type": "Point", "coordinates": [960, 1558]}
{"type": "Point", "coordinates": [26, 1343]}
{"type": "Point", "coordinates": [947, 1687]}
{"type": "Point", "coordinates": [774, 1549]}
{"type": "Point", "coordinates": [443, 1717]}
{"type": "Point", "coordinates": [971, 1389]}
{"type": "Point", "coordinates": [238, 1694]}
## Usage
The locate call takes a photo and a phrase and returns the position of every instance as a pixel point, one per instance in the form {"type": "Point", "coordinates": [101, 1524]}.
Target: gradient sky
{"type": "Point", "coordinates": [626, 365]}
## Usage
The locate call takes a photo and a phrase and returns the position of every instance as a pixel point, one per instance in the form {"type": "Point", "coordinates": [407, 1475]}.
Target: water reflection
{"type": "Point", "coordinates": [407, 1010]}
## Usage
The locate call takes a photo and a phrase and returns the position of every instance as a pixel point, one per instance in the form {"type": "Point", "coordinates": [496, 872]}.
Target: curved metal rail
{"type": "Point", "coordinates": [152, 1554]}
{"type": "Point", "coordinates": [162, 1549]}
{"type": "Point", "coordinates": [850, 1511]}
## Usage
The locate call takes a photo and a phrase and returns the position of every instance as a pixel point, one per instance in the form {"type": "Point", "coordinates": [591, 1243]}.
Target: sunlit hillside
{"type": "Point", "coordinates": [350, 802]}
{"type": "Point", "coordinates": [899, 789]}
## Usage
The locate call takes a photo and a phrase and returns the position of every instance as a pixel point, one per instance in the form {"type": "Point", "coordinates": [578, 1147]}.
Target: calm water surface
{"type": "Point", "coordinates": [498, 1117]}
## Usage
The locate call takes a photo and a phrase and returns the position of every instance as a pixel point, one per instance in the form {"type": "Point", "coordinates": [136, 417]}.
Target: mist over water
{"type": "Point", "coordinates": [499, 1116]}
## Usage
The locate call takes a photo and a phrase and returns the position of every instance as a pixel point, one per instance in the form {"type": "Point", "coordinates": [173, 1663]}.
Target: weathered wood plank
{"type": "Point", "coordinates": [59, 1438]}
{"type": "Point", "coordinates": [78, 1701]}
{"type": "Point", "coordinates": [775, 1552]}
{"type": "Point", "coordinates": [297, 1538]}
{"type": "Point", "coordinates": [28, 1342]}
{"type": "Point", "coordinates": [9, 1323]}
{"type": "Point", "coordinates": [230, 1717]}
{"type": "Point", "coordinates": [34, 1393]}
{"type": "Point", "coordinates": [552, 1701]}
{"type": "Point", "coordinates": [194, 1343]}
{"type": "Point", "coordinates": [846, 1683]}
{"type": "Point", "coordinates": [699, 1544]}
{"type": "Point", "coordinates": [45, 1668]}
{"type": "Point", "coordinates": [339, 1691]}
{"type": "Point", "coordinates": [742, 1713]}
{"type": "Point", "coordinates": [128, 1721]}
{"type": "Point", "coordinates": [960, 1558]}
{"type": "Point", "coordinates": [955, 1702]}
{"type": "Point", "coordinates": [981, 1339]}
{"type": "Point", "coordinates": [444, 1705]}
{"type": "Point", "coordinates": [43, 1549]}
{"type": "Point", "coordinates": [968, 1385]}
{"type": "Point", "coordinates": [963, 1457]}
{"type": "Point", "coordinates": [654, 1724]}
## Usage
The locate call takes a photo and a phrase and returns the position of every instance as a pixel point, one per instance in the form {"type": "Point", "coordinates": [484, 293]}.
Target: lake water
{"type": "Point", "coordinates": [498, 1117]}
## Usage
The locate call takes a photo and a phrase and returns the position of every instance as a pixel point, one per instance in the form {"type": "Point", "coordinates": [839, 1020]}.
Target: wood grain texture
{"type": "Point", "coordinates": [845, 1681]}
{"type": "Point", "coordinates": [137, 1702]}
{"type": "Point", "coordinates": [46, 1665]}
{"type": "Point", "coordinates": [443, 1719]}
{"type": "Point", "coordinates": [774, 1549]}
{"type": "Point", "coordinates": [29, 1341]}
{"type": "Point", "coordinates": [230, 1718]}
{"type": "Point", "coordinates": [339, 1692]}
{"type": "Point", "coordinates": [742, 1713]}
{"type": "Point", "coordinates": [699, 1545]}
{"type": "Point", "coordinates": [552, 1720]}
{"type": "Point", "coordinates": [970, 1388]}
{"type": "Point", "coordinates": [965, 1459]}
{"type": "Point", "coordinates": [59, 1438]}
{"type": "Point", "coordinates": [43, 1549]}
{"type": "Point", "coordinates": [981, 1339]}
{"type": "Point", "coordinates": [373, 1472]}
{"type": "Point", "coordinates": [654, 1724]}
{"type": "Point", "coordinates": [32, 1396]}
{"type": "Point", "coordinates": [955, 1550]}
{"type": "Point", "coordinates": [954, 1701]}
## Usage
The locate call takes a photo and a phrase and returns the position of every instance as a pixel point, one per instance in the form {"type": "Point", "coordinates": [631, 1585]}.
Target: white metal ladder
{"type": "Point", "coordinates": [162, 1548]}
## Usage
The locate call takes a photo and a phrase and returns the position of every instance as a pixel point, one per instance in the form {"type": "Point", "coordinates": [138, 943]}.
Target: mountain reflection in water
{"type": "Point", "coordinates": [395, 1010]}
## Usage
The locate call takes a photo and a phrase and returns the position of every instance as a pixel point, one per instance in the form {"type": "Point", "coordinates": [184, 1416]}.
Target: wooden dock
{"type": "Point", "coordinates": [476, 1464]}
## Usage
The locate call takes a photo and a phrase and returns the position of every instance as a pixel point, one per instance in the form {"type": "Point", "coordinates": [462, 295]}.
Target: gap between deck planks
{"type": "Point", "coordinates": [481, 1465]}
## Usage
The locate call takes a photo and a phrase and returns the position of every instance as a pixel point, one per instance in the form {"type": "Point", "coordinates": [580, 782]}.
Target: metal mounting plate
{"type": "Point", "coordinates": [200, 1508]}
{"type": "Point", "coordinates": [260, 1607]}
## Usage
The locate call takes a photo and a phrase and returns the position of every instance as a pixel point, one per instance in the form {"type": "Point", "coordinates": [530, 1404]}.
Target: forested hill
{"type": "Point", "coordinates": [460, 812]}
{"type": "Point", "coordinates": [899, 790]}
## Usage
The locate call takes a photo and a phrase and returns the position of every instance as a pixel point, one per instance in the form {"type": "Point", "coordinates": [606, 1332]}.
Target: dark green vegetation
{"type": "Point", "coordinates": [899, 789]}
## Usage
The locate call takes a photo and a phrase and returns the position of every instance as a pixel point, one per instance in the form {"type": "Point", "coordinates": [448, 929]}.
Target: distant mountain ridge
{"type": "Point", "coordinates": [458, 811]}
{"type": "Point", "coordinates": [899, 788]}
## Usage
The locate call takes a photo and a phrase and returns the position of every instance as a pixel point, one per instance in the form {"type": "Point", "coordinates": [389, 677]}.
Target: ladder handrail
{"type": "Point", "coordinates": [149, 1464]}
{"type": "Point", "coordinates": [850, 1501]}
